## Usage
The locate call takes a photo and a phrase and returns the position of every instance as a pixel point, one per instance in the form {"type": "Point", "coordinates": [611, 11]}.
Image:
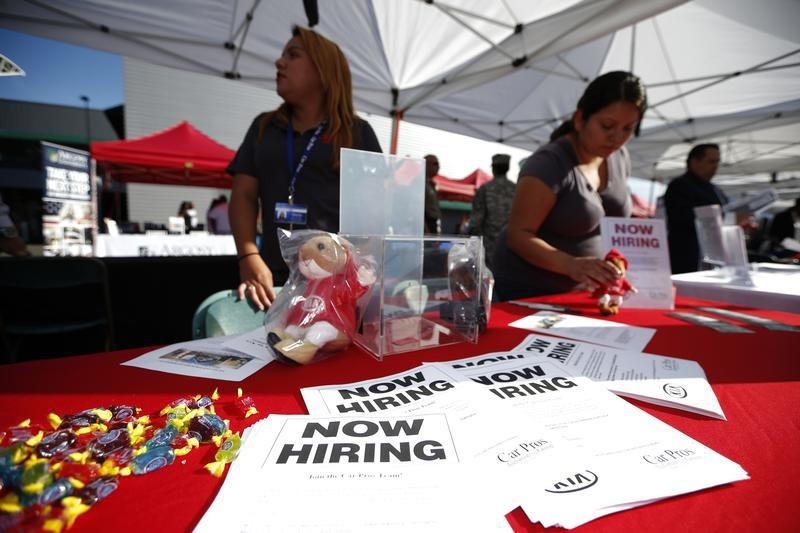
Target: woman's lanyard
{"type": "Point", "coordinates": [290, 154]}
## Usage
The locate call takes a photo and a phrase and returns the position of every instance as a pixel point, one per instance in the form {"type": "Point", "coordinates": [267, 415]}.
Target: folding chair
{"type": "Point", "coordinates": [222, 313]}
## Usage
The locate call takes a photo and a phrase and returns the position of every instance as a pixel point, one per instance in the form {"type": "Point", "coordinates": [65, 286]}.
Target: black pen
{"type": "Point", "coordinates": [543, 307]}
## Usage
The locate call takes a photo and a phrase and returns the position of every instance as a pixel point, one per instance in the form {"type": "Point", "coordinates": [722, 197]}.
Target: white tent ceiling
{"type": "Point", "coordinates": [721, 70]}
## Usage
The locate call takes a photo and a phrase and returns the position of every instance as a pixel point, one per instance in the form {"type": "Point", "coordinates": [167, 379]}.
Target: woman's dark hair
{"type": "Point", "coordinates": [604, 90]}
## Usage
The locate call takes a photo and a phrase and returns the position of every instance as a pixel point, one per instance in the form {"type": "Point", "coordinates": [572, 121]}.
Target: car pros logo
{"type": "Point", "coordinates": [676, 391]}
{"type": "Point", "coordinates": [574, 483]}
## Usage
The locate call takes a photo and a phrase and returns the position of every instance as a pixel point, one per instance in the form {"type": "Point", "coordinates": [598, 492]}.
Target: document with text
{"type": "Point", "coordinates": [657, 379]}
{"type": "Point", "coordinates": [583, 328]}
{"type": "Point", "coordinates": [202, 358]}
{"type": "Point", "coordinates": [643, 459]}
{"type": "Point", "coordinates": [366, 474]}
{"type": "Point", "coordinates": [524, 453]}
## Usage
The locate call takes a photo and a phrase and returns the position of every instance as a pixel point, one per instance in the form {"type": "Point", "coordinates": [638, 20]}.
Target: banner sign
{"type": "Point", "coordinates": [69, 217]}
{"type": "Point", "coordinates": [643, 241]}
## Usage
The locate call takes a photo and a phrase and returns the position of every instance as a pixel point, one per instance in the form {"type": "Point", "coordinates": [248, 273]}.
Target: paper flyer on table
{"type": "Point", "coordinates": [202, 358]}
{"type": "Point", "coordinates": [644, 244]}
{"type": "Point", "coordinates": [482, 433]}
{"type": "Point", "coordinates": [650, 460]}
{"type": "Point", "coordinates": [582, 328]}
{"type": "Point", "coordinates": [658, 379]}
{"type": "Point", "coordinates": [379, 473]}
{"type": "Point", "coordinates": [252, 343]}
{"type": "Point", "coordinates": [527, 455]}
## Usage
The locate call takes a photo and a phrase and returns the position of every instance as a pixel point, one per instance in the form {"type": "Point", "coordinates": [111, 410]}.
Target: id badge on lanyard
{"type": "Point", "coordinates": [291, 212]}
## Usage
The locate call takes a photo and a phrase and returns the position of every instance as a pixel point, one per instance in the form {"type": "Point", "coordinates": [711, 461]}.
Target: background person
{"type": "Point", "coordinates": [492, 205]}
{"type": "Point", "coordinates": [684, 193]}
{"type": "Point", "coordinates": [289, 159]}
{"type": "Point", "coordinates": [217, 216]}
{"type": "Point", "coordinates": [10, 241]}
{"type": "Point", "coordinates": [785, 225]}
{"type": "Point", "coordinates": [552, 241]}
{"type": "Point", "coordinates": [433, 214]}
{"type": "Point", "coordinates": [189, 214]}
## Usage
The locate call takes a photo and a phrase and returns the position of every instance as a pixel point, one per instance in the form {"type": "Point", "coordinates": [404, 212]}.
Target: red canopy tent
{"type": "Point", "coordinates": [462, 190]}
{"type": "Point", "coordinates": [178, 155]}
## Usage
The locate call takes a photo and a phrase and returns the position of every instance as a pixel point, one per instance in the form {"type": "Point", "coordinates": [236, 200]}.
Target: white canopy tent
{"type": "Point", "coordinates": [510, 71]}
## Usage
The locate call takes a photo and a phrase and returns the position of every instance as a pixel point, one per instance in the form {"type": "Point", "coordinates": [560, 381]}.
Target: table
{"type": "Point", "coordinates": [128, 245]}
{"type": "Point", "coordinates": [756, 378]}
{"type": "Point", "coordinates": [775, 286]}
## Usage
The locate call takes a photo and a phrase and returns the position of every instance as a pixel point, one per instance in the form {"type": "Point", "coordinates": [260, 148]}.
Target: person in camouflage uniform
{"type": "Point", "coordinates": [492, 205]}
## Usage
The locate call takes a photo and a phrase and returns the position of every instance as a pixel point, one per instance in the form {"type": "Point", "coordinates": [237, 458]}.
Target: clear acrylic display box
{"type": "Point", "coordinates": [381, 194]}
{"type": "Point", "coordinates": [429, 291]}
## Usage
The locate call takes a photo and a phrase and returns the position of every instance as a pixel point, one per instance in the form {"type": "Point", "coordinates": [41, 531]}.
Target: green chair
{"type": "Point", "coordinates": [223, 313]}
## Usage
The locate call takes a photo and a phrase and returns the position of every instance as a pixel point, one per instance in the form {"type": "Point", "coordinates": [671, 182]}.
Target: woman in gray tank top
{"type": "Point", "coordinates": [551, 243]}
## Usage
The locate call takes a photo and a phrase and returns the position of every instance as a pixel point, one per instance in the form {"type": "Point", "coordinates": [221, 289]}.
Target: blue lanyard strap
{"type": "Point", "coordinates": [290, 153]}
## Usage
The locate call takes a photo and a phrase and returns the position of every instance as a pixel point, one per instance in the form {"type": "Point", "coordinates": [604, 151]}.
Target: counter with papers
{"type": "Point", "coordinates": [774, 286]}
{"type": "Point", "coordinates": [675, 426]}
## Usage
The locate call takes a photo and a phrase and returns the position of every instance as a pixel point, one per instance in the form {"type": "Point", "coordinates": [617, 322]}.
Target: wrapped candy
{"type": "Point", "coordinates": [109, 443]}
{"type": "Point", "coordinates": [152, 459]}
{"type": "Point", "coordinates": [227, 452]}
{"type": "Point", "coordinates": [84, 473]}
{"type": "Point", "coordinates": [59, 442]}
{"type": "Point", "coordinates": [206, 426]}
{"type": "Point", "coordinates": [48, 478]}
{"type": "Point", "coordinates": [245, 404]}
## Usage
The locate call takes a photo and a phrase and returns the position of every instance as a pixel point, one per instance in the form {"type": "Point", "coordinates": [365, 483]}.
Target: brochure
{"type": "Point", "coordinates": [644, 243]}
{"type": "Point", "coordinates": [366, 474]}
{"type": "Point", "coordinates": [203, 358]}
{"type": "Point", "coordinates": [650, 459]}
{"type": "Point", "coordinates": [587, 329]}
{"type": "Point", "coordinates": [657, 379]}
{"type": "Point", "coordinates": [599, 447]}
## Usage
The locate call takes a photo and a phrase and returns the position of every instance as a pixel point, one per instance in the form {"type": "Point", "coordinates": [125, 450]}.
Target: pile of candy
{"type": "Point", "coordinates": [49, 477]}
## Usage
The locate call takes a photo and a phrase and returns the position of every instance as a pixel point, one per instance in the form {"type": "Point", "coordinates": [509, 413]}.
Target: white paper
{"type": "Point", "coordinates": [657, 379]}
{"type": "Point", "coordinates": [356, 474]}
{"type": "Point", "coordinates": [642, 458]}
{"type": "Point", "coordinates": [252, 343]}
{"type": "Point", "coordinates": [202, 358]}
{"type": "Point", "coordinates": [644, 243]}
{"type": "Point", "coordinates": [524, 453]}
{"type": "Point", "coordinates": [594, 330]}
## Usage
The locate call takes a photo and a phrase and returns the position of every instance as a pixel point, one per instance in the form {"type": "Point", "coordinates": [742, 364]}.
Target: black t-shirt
{"type": "Point", "coordinates": [316, 187]}
{"type": "Point", "coordinates": [683, 194]}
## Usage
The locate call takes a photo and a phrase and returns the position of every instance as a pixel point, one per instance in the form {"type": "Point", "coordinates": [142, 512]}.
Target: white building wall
{"type": "Point", "coordinates": [158, 97]}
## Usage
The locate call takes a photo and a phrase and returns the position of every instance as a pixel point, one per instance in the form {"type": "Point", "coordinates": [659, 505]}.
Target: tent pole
{"type": "Point", "coordinates": [396, 118]}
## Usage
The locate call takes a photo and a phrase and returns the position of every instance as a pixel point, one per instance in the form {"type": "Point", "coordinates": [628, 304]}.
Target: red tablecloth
{"type": "Point", "coordinates": [756, 378]}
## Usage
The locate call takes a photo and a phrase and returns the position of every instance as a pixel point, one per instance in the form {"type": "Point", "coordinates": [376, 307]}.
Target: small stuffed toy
{"type": "Point", "coordinates": [317, 311]}
{"type": "Point", "coordinates": [611, 296]}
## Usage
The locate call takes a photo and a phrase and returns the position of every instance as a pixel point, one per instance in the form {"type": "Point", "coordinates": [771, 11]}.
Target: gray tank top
{"type": "Point", "coordinates": [573, 225]}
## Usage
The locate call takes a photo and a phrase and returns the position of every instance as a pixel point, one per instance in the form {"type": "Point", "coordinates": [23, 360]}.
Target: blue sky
{"type": "Point", "coordinates": [59, 73]}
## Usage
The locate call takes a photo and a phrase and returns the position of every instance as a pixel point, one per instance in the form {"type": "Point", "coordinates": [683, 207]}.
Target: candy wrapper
{"type": "Point", "coordinates": [314, 314]}
{"type": "Point", "coordinates": [610, 297]}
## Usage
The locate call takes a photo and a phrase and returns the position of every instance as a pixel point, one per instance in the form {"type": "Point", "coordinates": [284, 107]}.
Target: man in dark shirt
{"type": "Point", "coordinates": [684, 193]}
{"type": "Point", "coordinates": [783, 224]}
{"type": "Point", "coordinates": [433, 215]}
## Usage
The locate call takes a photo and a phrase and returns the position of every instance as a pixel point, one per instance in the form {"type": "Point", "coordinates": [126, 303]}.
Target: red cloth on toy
{"type": "Point", "coordinates": [621, 287]}
{"type": "Point", "coordinates": [331, 299]}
